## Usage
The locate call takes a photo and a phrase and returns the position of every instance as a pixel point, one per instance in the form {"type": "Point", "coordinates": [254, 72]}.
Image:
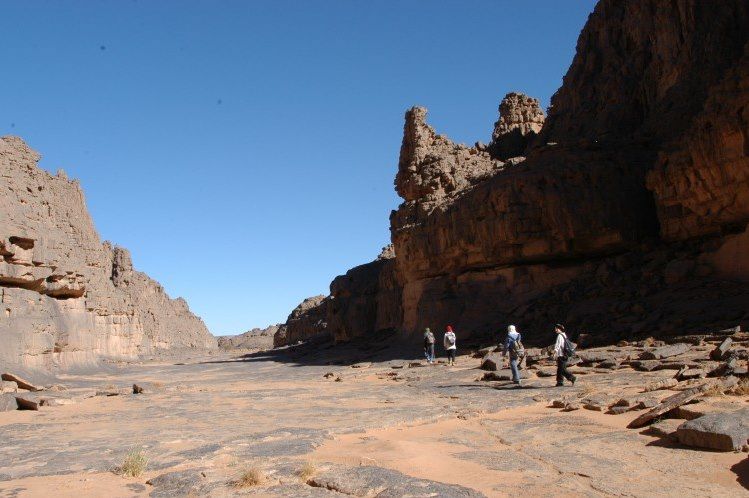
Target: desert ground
{"type": "Point", "coordinates": [318, 420]}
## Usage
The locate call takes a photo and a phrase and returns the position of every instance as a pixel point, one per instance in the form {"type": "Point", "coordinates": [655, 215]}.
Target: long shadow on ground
{"type": "Point", "coordinates": [323, 351]}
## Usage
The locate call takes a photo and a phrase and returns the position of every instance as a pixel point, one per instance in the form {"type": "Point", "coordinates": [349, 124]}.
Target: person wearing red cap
{"type": "Point", "coordinates": [450, 347]}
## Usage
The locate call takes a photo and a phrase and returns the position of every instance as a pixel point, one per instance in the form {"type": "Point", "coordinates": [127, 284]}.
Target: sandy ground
{"type": "Point", "coordinates": [210, 422]}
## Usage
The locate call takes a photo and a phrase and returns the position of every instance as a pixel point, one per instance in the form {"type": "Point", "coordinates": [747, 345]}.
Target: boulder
{"type": "Point", "coordinates": [716, 431]}
{"type": "Point", "coordinates": [8, 402]}
{"type": "Point", "coordinates": [8, 386]}
{"type": "Point", "coordinates": [721, 352]}
{"type": "Point", "coordinates": [492, 362]}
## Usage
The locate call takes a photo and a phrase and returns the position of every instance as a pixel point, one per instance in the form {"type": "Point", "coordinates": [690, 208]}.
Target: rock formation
{"type": "Point", "coordinates": [520, 120]}
{"type": "Point", "coordinates": [69, 300]}
{"type": "Point", "coordinates": [305, 321]}
{"type": "Point", "coordinates": [252, 339]}
{"type": "Point", "coordinates": [625, 214]}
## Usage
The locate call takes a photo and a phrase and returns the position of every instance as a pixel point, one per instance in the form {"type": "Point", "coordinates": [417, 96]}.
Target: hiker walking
{"type": "Point", "coordinates": [450, 347]}
{"type": "Point", "coordinates": [514, 346]}
{"type": "Point", "coordinates": [429, 345]}
{"type": "Point", "coordinates": [563, 350]}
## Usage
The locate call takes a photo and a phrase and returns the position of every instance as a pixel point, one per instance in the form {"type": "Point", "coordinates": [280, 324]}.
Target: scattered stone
{"type": "Point", "coordinates": [618, 410]}
{"type": "Point", "coordinates": [137, 389]}
{"type": "Point", "coordinates": [28, 401]}
{"type": "Point", "coordinates": [665, 351]}
{"type": "Point", "coordinates": [558, 403]}
{"type": "Point", "coordinates": [23, 384]}
{"type": "Point", "coordinates": [416, 364]}
{"type": "Point", "coordinates": [597, 407]}
{"type": "Point", "coordinates": [645, 404]}
{"type": "Point", "coordinates": [481, 353]}
{"type": "Point", "coordinates": [367, 364]}
{"type": "Point", "coordinates": [693, 373]}
{"type": "Point", "coordinates": [546, 372]}
{"type": "Point", "coordinates": [722, 351]}
{"type": "Point", "coordinates": [717, 431]}
{"type": "Point", "coordinates": [571, 406]}
{"type": "Point", "coordinates": [610, 364]}
{"type": "Point", "coordinates": [492, 362]}
{"type": "Point", "coordinates": [723, 369]}
{"type": "Point", "coordinates": [8, 402]}
{"type": "Point", "coordinates": [329, 375]}
{"type": "Point", "coordinates": [181, 483]}
{"type": "Point", "coordinates": [494, 376]}
{"type": "Point", "coordinates": [645, 365]}
{"type": "Point", "coordinates": [661, 384]}
{"type": "Point", "coordinates": [56, 401]}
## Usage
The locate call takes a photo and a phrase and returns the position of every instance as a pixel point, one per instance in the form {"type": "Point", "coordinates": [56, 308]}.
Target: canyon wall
{"type": "Point", "coordinates": [622, 214]}
{"type": "Point", "coordinates": [67, 299]}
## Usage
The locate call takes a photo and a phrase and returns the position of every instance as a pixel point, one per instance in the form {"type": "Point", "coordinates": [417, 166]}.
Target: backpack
{"type": "Point", "coordinates": [517, 349]}
{"type": "Point", "coordinates": [451, 339]}
{"type": "Point", "coordinates": [568, 349]}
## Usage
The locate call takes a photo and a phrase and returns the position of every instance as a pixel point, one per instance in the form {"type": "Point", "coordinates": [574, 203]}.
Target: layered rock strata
{"type": "Point", "coordinates": [69, 300]}
{"type": "Point", "coordinates": [625, 214]}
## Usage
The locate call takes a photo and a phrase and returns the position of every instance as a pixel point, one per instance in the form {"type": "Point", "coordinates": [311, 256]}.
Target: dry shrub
{"type": "Point", "coordinates": [741, 389]}
{"type": "Point", "coordinates": [134, 464]}
{"type": "Point", "coordinates": [307, 471]}
{"type": "Point", "coordinates": [715, 390]}
{"type": "Point", "coordinates": [252, 476]}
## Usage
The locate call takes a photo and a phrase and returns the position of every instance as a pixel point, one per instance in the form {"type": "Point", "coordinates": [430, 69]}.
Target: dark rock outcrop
{"type": "Point", "coordinates": [305, 321]}
{"type": "Point", "coordinates": [625, 216]}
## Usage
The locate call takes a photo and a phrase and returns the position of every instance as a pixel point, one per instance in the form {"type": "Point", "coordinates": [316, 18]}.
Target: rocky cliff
{"type": "Point", "coordinates": [69, 300]}
{"type": "Point", "coordinates": [623, 213]}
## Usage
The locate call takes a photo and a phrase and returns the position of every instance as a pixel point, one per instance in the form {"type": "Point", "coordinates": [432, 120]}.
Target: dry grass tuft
{"type": "Point", "coordinates": [307, 471]}
{"type": "Point", "coordinates": [252, 476]}
{"type": "Point", "coordinates": [715, 390]}
{"type": "Point", "coordinates": [741, 389]}
{"type": "Point", "coordinates": [134, 464]}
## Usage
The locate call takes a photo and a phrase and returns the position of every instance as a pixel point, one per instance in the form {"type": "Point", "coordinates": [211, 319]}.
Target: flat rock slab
{"type": "Point", "coordinates": [668, 404]}
{"type": "Point", "coordinates": [716, 431]}
{"type": "Point", "coordinates": [23, 384]}
{"type": "Point", "coordinates": [8, 386]}
{"type": "Point", "coordinates": [182, 483]}
{"type": "Point", "coordinates": [384, 483]}
{"type": "Point", "coordinates": [665, 351]}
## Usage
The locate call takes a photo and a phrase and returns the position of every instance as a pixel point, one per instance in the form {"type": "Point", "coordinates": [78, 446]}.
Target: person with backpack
{"type": "Point", "coordinates": [449, 343]}
{"type": "Point", "coordinates": [514, 346]}
{"type": "Point", "coordinates": [563, 351]}
{"type": "Point", "coordinates": [429, 345]}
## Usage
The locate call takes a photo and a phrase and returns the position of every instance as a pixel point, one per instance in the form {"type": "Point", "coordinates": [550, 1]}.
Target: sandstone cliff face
{"type": "Point", "coordinates": [622, 216]}
{"type": "Point", "coordinates": [67, 299]}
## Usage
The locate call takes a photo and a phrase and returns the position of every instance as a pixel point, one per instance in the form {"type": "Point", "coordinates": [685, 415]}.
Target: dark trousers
{"type": "Point", "coordinates": [451, 354]}
{"type": "Point", "coordinates": [562, 372]}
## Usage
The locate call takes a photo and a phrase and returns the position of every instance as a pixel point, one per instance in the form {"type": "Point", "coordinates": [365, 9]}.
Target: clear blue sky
{"type": "Point", "coordinates": [245, 151]}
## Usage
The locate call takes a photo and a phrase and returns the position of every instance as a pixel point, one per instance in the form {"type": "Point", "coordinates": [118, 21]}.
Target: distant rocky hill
{"type": "Point", "coordinates": [256, 338]}
{"type": "Point", "coordinates": [623, 213]}
{"type": "Point", "coordinates": [67, 299]}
